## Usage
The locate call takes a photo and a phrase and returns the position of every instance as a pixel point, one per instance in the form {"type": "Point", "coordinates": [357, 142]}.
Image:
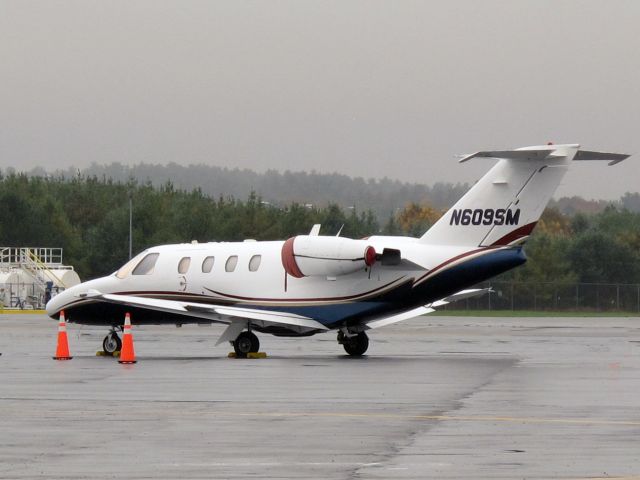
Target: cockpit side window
{"type": "Point", "coordinates": [127, 267]}
{"type": "Point", "coordinates": [146, 266]}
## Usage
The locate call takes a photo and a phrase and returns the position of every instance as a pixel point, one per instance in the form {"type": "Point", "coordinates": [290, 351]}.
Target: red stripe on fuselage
{"type": "Point", "coordinates": [516, 234]}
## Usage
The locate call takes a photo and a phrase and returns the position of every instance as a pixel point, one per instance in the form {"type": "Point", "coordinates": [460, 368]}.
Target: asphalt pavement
{"type": "Point", "coordinates": [436, 397]}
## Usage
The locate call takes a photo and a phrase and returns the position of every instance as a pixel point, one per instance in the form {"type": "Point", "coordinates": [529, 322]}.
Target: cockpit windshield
{"type": "Point", "coordinates": [142, 264]}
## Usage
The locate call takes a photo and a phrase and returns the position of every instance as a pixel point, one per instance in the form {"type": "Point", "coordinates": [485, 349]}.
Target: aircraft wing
{"type": "Point", "coordinates": [416, 312]}
{"type": "Point", "coordinates": [238, 317]}
{"type": "Point", "coordinates": [216, 313]}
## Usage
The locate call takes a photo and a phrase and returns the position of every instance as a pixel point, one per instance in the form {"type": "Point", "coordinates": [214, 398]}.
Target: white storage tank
{"type": "Point", "coordinates": [12, 287]}
{"type": "Point", "coordinates": [66, 278]}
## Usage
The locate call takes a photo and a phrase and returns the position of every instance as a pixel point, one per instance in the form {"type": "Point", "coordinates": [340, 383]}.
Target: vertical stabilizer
{"type": "Point", "coordinates": [503, 207]}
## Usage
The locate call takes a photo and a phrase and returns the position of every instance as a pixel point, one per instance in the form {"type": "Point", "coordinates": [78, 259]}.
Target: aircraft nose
{"type": "Point", "coordinates": [59, 302]}
{"type": "Point", "coordinates": [70, 296]}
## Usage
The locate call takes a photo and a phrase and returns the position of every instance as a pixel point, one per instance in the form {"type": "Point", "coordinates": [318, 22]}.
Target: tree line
{"type": "Point", "coordinates": [88, 216]}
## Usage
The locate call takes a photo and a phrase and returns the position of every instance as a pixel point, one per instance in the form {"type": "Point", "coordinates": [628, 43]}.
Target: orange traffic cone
{"type": "Point", "coordinates": [62, 351]}
{"type": "Point", "coordinates": [127, 354]}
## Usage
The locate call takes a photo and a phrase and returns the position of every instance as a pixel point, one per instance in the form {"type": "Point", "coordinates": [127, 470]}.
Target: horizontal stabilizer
{"type": "Point", "coordinates": [539, 154]}
{"type": "Point", "coordinates": [613, 158]}
{"type": "Point", "coordinates": [510, 154]}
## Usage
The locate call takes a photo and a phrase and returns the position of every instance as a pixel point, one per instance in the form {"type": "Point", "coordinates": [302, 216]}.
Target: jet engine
{"type": "Point", "coordinates": [308, 255]}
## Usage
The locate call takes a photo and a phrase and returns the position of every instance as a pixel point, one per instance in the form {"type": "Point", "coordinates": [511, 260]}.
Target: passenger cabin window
{"type": "Point", "coordinates": [207, 264]}
{"type": "Point", "coordinates": [146, 266]}
{"type": "Point", "coordinates": [183, 266]}
{"type": "Point", "coordinates": [232, 261]}
{"type": "Point", "coordinates": [254, 263]}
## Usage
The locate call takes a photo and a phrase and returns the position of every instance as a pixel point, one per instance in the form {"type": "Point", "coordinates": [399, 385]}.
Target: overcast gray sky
{"type": "Point", "coordinates": [365, 88]}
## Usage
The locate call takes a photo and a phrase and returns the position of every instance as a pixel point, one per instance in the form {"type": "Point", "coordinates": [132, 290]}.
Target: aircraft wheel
{"type": "Point", "coordinates": [111, 343]}
{"type": "Point", "coordinates": [356, 345]}
{"type": "Point", "coordinates": [246, 343]}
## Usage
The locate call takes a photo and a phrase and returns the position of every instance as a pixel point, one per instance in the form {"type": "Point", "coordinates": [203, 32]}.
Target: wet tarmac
{"type": "Point", "coordinates": [436, 397]}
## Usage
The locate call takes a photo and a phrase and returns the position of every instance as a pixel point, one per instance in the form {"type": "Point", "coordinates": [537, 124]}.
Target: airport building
{"type": "Point", "coordinates": [30, 276]}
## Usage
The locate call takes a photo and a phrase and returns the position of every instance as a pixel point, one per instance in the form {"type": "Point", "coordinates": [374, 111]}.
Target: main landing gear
{"type": "Point", "coordinates": [111, 343]}
{"type": "Point", "coordinates": [354, 345]}
{"type": "Point", "coordinates": [246, 343]}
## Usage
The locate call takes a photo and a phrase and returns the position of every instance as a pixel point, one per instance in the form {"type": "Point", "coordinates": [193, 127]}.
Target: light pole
{"type": "Point", "coordinates": [130, 224]}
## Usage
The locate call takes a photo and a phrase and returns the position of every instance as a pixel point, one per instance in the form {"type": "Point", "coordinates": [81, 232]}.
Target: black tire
{"type": "Point", "coordinates": [111, 343]}
{"type": "Point", "coordinates": [356, 345]}
{"type": "Point", "coordinates": [246, 343]}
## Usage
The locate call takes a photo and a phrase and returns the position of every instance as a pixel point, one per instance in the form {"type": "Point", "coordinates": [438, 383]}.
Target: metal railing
{"type": "Point", "coordinates": [14, 256]}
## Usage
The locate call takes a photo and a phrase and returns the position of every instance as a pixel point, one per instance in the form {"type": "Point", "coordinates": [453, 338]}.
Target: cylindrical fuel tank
{"type": "Point", "coordinates": [11, 285]}
{"type": "Point", "coordinates": [66, 278]}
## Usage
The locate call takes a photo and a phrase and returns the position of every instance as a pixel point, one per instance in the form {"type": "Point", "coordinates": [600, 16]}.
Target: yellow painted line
{"type": "Point", "coordinates": [443, 418]}
{"type": "Point", "coordinates": [22, 312]}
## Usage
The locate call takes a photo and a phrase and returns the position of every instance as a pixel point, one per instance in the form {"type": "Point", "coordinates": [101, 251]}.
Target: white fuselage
{"type": "Point", "coordinates": [266, 284]}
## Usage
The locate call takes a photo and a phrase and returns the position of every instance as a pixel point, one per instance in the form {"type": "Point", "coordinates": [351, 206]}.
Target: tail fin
{"type": "Point", "coordinates": [503, 207]}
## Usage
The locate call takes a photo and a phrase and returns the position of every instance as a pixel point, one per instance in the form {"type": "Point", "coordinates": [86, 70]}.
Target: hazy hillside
{"type": "Point", "coordinates": [383, 197]}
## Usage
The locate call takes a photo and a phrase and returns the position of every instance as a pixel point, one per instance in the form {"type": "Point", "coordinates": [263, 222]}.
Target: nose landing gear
{"type": "Point", "coordinates": [111, 343]}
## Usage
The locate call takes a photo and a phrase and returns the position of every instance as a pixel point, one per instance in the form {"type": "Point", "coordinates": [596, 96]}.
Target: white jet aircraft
{"type": "Point", "coordinates": [310, 284]}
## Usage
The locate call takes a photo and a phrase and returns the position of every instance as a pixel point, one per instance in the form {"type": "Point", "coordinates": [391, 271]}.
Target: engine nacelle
{"type": "Point", "coordinates": [305, 256]}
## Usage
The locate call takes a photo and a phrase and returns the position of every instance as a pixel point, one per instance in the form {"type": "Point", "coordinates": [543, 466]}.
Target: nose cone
{"type": "Point", "coordinates": [72, 296]}
{"type": "Point", "coordinates": [60, 302]}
